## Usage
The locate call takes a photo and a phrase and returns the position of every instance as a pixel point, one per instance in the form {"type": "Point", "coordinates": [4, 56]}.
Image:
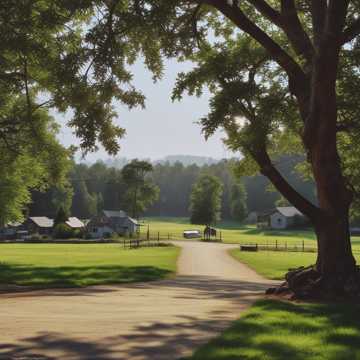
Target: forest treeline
{"type": "Point", "coordinates": [92, 188]}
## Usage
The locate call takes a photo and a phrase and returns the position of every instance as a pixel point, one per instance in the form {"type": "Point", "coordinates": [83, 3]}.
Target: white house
{"type": "Point", "coordinates": [110, 222]}
{"type": "Point", "coordinates": [281, 218]}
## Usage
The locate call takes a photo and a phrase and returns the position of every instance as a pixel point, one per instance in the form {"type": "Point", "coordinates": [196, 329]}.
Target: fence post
{"type": "Point", "coordinates": [303, 246]}
{"type": "Point", "coordinates": [276, 245]}
{"type": "Point", "coordinates": [158, 237]}
{"type": "Point", "coordinates": [220, 236]}
{"type": "Point", "coordinates": [285, 245]}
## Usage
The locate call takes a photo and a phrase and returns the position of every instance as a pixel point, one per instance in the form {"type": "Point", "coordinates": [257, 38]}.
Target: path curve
{"type": "Point", "coordinates": [161, 320]}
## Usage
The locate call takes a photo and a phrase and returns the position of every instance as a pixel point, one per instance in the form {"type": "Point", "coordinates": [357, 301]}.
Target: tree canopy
{"type": "Point", "coordinates": [140, 191]}
{"type": "Point", "coordinates": [205, 200]}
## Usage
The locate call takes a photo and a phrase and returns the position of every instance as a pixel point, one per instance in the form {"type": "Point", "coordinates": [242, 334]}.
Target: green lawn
{"type": "Point", "coordinates": [236, 233]}
{"type": "Point", "coordinates": [61, 265]}
{"type": "Point", "coordinates": [275, 330]}
{"type": "Point", "coordinates": [274, 264]}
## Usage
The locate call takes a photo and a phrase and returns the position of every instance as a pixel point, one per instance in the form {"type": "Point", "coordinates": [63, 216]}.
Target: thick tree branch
{"type": "Point", "coordinates": [289, 22]}
{"type": "Point", "coordinates": [295, 31]}
{"type": "Point", "coordinates": [291, 67]}
{"type": "Point", "coordinates": [269, 170]}
{"type": "Point", "coordinates": [336, 17]}
{"type": "Point", "coordinates": [318, 11]}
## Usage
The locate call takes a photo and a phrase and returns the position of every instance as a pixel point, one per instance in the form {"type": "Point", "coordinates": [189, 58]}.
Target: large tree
{"type": "Point", "coordinates": [287, 70]}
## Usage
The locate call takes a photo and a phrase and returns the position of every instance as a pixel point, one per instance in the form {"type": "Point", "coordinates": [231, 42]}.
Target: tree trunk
{"type": "Point", "coordinates": [334, 248]}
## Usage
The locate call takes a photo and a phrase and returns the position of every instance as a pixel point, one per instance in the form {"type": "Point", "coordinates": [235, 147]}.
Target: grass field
{"type": "Point", "coordinates": [65, 265]}
{"type": "Point", "coordinates": [236, 233]}
{"type": "Point", "coordinates": [275, 330]}
{"type": "Point", "coordinates": [274, 264]}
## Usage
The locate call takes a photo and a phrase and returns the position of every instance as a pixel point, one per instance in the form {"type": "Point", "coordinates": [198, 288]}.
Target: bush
{"type": "Point", "coordinates": [63, 231]}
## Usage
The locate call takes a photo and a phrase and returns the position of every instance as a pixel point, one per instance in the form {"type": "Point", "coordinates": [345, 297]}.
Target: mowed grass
{"type": "Point", "coordinates": [276, 330]}
{"type": "Point", "coordinates": [68, 265]}
{"type": "Point", "coordinates": [274, 264]}
{"type": "Point", "coordinates": [237, 233]}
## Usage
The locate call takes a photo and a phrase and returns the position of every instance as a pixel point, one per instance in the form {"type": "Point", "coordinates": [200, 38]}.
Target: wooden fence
{"type": "Point", "coordinates": [158, 238]}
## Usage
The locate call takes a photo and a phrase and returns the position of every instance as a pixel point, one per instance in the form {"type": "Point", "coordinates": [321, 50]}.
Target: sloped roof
{"type": "Point", "coordinates": [42, 221]}
{"type": "Point", "coordinates": [75, 223]}
{"type": "Point", "coordinates": [133, 220]}
{"type": "Point", "coordinates": [114, 214]}
{"type": "Point", "coordinates": [289, 211]}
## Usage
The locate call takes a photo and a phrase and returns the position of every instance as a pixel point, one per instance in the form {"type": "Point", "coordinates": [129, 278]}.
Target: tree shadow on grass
{"type": "Point", "coordinates": [281, 330]}
{"type": "Point", "coordinates": [73, 276]}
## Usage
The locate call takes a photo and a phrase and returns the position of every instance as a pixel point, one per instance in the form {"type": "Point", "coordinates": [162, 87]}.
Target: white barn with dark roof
{"type": "Point", "coordinates": [282, 217]}
{"type": "Point", "coordinates": [285, 217]}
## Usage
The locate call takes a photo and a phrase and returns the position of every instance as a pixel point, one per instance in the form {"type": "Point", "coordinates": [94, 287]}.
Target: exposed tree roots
{"type": "Point", "coordinates": [306, 283]}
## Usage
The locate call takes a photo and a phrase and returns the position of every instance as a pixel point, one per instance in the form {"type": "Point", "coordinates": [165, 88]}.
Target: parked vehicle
{"type": "Point", "coordinates": [192, 234]}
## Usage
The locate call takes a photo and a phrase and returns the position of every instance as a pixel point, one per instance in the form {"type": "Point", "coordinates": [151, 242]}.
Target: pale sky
{"type": "Point", "coordinates": [163, 128]}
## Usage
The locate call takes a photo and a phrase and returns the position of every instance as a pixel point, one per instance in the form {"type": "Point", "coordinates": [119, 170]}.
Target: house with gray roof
{"type": "Point", "coordinates": [39, 225]}
{"type": "Point", "coordinates": [110, 222]}
{"type": "Point", "coordinates": [282, 217]}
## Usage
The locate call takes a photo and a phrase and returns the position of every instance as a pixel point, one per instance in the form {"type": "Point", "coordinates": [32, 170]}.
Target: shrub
{"type": "Point", "coordinates": [63, 231]}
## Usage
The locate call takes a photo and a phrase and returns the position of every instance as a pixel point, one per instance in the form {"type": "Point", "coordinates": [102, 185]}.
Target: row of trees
{"type": "Point", "coordinates": [162, 189]}
{"type": "Point", "coordinates": [94, 188]}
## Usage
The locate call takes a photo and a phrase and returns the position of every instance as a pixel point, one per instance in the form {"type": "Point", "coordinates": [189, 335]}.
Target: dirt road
{"type": "Point", "coordinates": [165, 319]}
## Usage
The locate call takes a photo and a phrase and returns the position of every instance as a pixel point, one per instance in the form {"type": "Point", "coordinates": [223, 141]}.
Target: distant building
{"type": "Point", "coordinates": [281, 218]}
{"type": "Point", "coordinates": [110, 222]}
{"type": "Point", "coordinates": [75, 223]}
{"type": "Point", "coordinates": [41, 225]}
{"type": "Point", "coordinates": [10, 230]}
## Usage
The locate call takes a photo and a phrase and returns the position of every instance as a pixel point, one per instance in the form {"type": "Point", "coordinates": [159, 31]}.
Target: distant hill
{"type": "Point", "coordinates": [188, 160]}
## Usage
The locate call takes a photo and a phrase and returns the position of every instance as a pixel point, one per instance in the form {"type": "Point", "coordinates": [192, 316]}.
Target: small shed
{"type": "Point", "coordinates": [39, 225]}
{"type": "Point", "coordinates": [282, 217]}
{"type": "Point", "coordinates": [75, 223]}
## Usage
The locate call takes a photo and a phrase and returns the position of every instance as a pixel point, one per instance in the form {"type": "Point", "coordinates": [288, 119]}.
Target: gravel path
{"type": "Point", "coordinates": [161, 320]}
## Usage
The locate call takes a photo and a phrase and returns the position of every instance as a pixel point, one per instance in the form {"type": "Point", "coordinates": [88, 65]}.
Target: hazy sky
{"type": "Point", "coordinates": [163, 128]}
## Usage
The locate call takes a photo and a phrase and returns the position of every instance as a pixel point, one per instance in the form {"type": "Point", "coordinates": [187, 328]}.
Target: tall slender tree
{"type": "Point", "coordinates": [140, 191]}
{"type": "Point", "coordinates": [205, 200]}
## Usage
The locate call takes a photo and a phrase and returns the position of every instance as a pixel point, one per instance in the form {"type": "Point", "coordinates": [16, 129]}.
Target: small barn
{"type": "Point", "coordinates": [39, 225]}
{"type": "Point", "coordinates": [282, 217]}
{"type": "Point", "coordinates": [75, 223]}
